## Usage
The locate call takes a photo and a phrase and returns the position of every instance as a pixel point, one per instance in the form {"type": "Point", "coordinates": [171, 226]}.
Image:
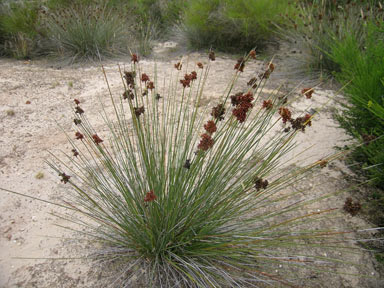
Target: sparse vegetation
{"type": "Point", "coordinates": [233, 25]}
{"type": "Point", "coordinates": [39, 175]}
{"type": "Point", "coordinates": [10, 113]}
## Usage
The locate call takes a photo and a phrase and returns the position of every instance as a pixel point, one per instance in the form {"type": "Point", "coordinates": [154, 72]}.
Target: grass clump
{"type": "Point", "coordinates": [83, 32]}
{"type": "Point", "coordinates": [184, 196]}
{"type": "Point", "coordinates": [19, 27]}
{"type": "Point", "coordinates": [363, 118]}
{"type": "Point", "coordinates": [322, 23]}
{"type": "Point", "coordinates": [233, 25]}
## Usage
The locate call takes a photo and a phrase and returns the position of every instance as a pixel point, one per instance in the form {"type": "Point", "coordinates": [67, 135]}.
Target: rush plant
{"type": "Point", "coordinates": [180, 195]}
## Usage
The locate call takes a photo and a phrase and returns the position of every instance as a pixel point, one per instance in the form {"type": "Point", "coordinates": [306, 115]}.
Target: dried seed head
{"type": "Point", "coordinates": [285, 114]}
{"type": "Point", "coordinates": [77, 121]}
{"type": "Point", "coordinates": [210, 127]}
{"type": "Point", "coordinates": [218, 112]}
{"type": "Point", "coordinates": [78, 110]}
{"type": "Point", "coordinates": [187, 164]}
{"type": "Point", "coordinates": [200, 65]}
{"type": "Point", "coordinates": [178, 66]}
{"type": "Point", "coordinates": [97, 139]}
{"type": "Point", "coordinates": [212, 56]}
{"type": "Point", "coordinates": [150, 196]}
{"type": "Point", "coordinates": [260, 184]}
{"type": "Point", "coordinates": [134, 58]}
{"type": "Point", "coordinates": [75, 153]}
{"type": "Point", "coordinates": [267, 104]}
{"type": "Point", "coordinates": [206, 142]}
{"type": "Point", "coordinates": [77, 102]}
{"type": "Point", "coordinates": [138, 111]}
{"type": "Point", "coordinates": [150, 85]}
{"type": "Point", "coordinates": [240, 65]}
{"type": "Point", "coordinates": [79, 136]}
{"type": "Point", "coordinates": [252, 82]}
{"type": "Point", "coordinates": [144, 77]}
{"type": "Point", "coordinates": [130, 78]}
{"type": "Point", "coordinates": [252, 54]}
{"type": "Point", "coordinates": [64, 177]}
{"type": "Point", "coordinates": [307, 92]}
{"type": "Point", "coordinates": [128, 95]}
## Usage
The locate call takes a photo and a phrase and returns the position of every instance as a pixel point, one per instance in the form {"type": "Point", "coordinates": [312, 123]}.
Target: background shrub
{"type": "Point", "coordinates": [233, 25]}
{"type": "Point", "coordinates": [19, 26]}
{"type": "Point", "coordinates": [322, 23]}
{"type": "Point", "coordinates": [363, 118]}
{"type": "Point", "coordinates": [80, 31]}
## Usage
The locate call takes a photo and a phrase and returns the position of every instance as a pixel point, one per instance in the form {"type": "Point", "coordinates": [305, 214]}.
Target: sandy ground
{"type": "Point", "coordinates": [29, 234]}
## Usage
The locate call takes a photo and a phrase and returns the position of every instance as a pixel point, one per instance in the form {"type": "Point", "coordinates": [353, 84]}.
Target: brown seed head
{"type": "Point", "coordinates": [97, 139]}
{"type": "Point", "coordinates": [150, 196]}
{"type": "Point", "coordinates": [210, 127]}
{"type": "Point", "coordinates": [134, 58]}
{"type": "Point", "coordinates": [206, 142]}
{"type": "Point", "coordinates": [212, 56]}
{"type": "Point", "coordinates": [79, 136]}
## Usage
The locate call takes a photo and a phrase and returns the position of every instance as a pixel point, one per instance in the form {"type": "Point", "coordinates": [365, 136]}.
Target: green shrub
{"type": "Point", "coordinates": [82, 32]}
{"type": "Point", "coordinates": [233, 25]}
{"type": "Point", "coordinates": [19, 26]}
{"type": "Point", "coordinates": [323, 23]}
{"type": "Point", "coordinates": [363, 118]}
{"type": "Point", "coordinates": [183, 196]}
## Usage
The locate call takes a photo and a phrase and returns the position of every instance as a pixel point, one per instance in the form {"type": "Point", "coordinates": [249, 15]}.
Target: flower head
{"type": "Point", "coordinates": [79, 136]}
{"type": "Point", "coordinates": [138, 111]}
{"type": "Point", "coordinates": [210, 127]}
{"type": "Point", "coordinates": [97, 139]}
{"type": "Point", "coordinates": [75, 153]}
{"type": "Point", "coordinates": [267, 104]}
{"type": "Point", "coordinates": [77, 102]}
{"type": "Point", "coordinates": [187, 164]}
{"type": "Point", "coordinates": [130, 78]}
{"type": "Point", "coordinates": [218, 112]}
{"type": "Point", "coordinates": [260, 184]}
{"type": "Point", "coordinates": [150, 85]}
{"type": "Point", "coordinates": [135, 58]}
{"type": "Point", "coordinates": [150, 196]}
{"type": "Point", "coordinates": [200, 65]}
{"type": "Point", "coordinates": [252, 82]}
{"type": "Point", "coordinates": [285, 114]}
{"type": "Point", "coordinates": [144, 77]}
{"type": "Point", "coordinates": [178, 66]}
{"type": "Point", "coordinates": [307, 92]}
{"type": "Point", "coordinates": [128, 95]}
{"type": "Point", "coordinates": [77, 121]}
{"type": "Point", "coordinates": [64, 177]}
{"type": "Point", "coordinates": [206, 142]}
{"type": "Point", "coordinates": [240, 65]}
{"type": "Point", "coordinates": [243, 103]}
{"type": "Point", "coordinates": [78, 110]}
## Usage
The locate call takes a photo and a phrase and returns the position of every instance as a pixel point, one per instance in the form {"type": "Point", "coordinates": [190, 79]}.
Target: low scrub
{"type": "Point", "coordinates": [363, 118]}
{"type": "Point", "coordinates": [322, 23]}
{"type": "Point", "coordinates": [233, 25]}
{"type": "Point", "coordinates": [19, 27]}
{"type": "Point", "coordinates": [87, 32]}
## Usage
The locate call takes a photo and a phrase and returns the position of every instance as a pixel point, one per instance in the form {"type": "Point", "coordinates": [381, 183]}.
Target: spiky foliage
{"type": "Point", "coordinates": [324, 23]}
{"type": "Point", "coordinates": [83, 32]}
{"type": "Point", "coordinates": [194, 196]}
